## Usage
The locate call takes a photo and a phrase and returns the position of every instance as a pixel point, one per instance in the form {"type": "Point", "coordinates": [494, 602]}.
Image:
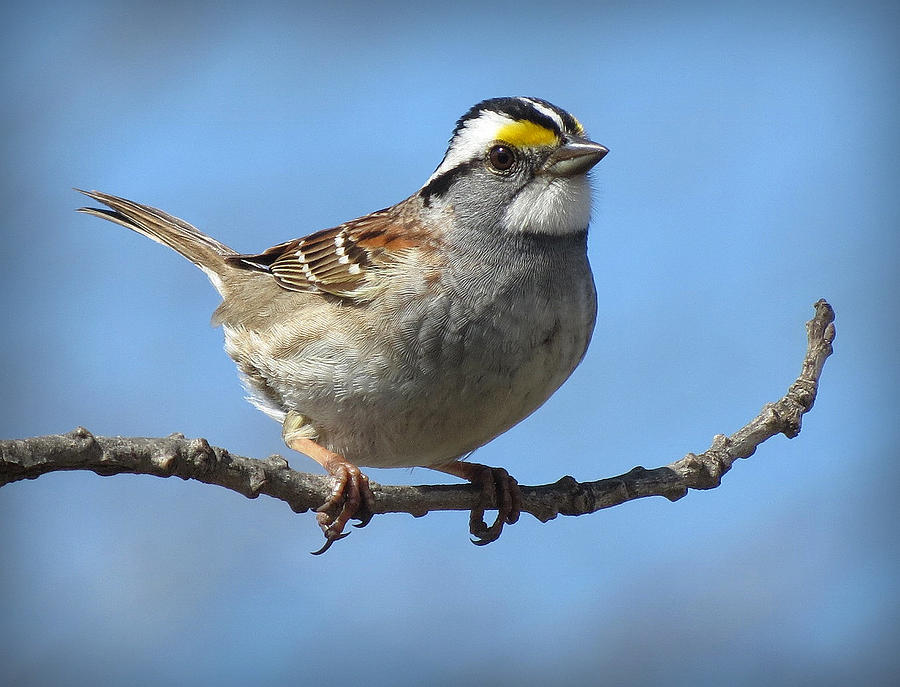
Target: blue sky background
{"type": "Point", "coordinates": [754, 169]}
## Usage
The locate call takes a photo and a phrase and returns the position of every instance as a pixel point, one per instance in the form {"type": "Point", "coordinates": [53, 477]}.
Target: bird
{"type": "Point", "coordinates": [413, 335]}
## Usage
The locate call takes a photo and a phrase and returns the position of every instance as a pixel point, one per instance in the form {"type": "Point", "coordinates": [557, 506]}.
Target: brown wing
{"type": "Point", "coordinates": [340, 261]}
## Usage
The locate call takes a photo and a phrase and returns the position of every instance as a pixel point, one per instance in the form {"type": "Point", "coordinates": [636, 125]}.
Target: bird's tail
{"type": "Point", "coordinates": [202, 250]}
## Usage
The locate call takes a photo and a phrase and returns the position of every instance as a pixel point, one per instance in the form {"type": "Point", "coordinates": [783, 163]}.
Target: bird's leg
{"type": "Point", "coordinates": [497, 486]}
{"type": "Point", "coordinates": [351, 496]}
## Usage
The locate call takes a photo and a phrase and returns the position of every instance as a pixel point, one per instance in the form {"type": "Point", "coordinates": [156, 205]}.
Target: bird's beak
{"type": "Point", "coordinates": [577, 156]}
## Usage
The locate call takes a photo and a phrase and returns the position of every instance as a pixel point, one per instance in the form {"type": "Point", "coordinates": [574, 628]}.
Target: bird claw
{"type": "Point", "coordinates": [364, 519]}
{"type": "Point", "coordinates": [328, 543]}
{"type": "Point", "coordinates": [496, 486]}
{"type": "Point", "coordinates": [351, 498]}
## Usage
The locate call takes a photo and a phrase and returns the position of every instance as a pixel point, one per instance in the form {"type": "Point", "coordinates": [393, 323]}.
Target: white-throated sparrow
{"type": "Point", "coordinates": [415, 334]}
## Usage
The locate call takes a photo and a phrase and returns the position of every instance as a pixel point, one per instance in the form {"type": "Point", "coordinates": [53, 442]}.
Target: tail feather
{"type": "Point", "coordinates": [204, 251]}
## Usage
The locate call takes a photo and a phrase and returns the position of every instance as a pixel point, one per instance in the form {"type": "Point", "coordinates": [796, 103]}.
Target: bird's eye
{"type": "Point", "coordinates": [501, 158]}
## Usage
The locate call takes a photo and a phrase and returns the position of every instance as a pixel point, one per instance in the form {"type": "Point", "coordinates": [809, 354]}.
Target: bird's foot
{"type": "Point", "coordinates": [351, 496]}
{"type": "Point", "coordinates": [497, 487]}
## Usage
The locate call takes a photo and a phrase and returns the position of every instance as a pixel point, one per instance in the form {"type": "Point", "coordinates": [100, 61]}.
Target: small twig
{"type": "Point", "coordinates": [196, 459]}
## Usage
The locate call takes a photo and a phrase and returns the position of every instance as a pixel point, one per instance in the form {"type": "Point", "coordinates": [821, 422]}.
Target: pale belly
{"type": "Point", "coordinates": [443, 378]}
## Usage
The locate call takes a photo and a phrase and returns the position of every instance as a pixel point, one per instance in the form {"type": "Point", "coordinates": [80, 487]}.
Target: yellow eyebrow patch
{"type": "Point", "coordinates": [525, 134]}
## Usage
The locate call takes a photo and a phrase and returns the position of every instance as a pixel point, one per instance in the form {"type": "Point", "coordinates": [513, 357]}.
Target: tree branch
{"type": "Point", "coordinates": [196, 459]}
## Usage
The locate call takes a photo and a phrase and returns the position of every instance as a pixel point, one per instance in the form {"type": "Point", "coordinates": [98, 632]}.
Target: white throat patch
{"type": "Point", "coordinates": [551, 205]}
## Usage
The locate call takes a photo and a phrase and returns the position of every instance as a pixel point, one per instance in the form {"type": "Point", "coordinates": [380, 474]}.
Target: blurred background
{"type": "Point", "coordinates": [754, 170]}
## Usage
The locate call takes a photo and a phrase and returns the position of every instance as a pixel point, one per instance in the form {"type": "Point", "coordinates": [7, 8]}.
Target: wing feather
{"type": "Point", "coordinates": [342, 261]}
